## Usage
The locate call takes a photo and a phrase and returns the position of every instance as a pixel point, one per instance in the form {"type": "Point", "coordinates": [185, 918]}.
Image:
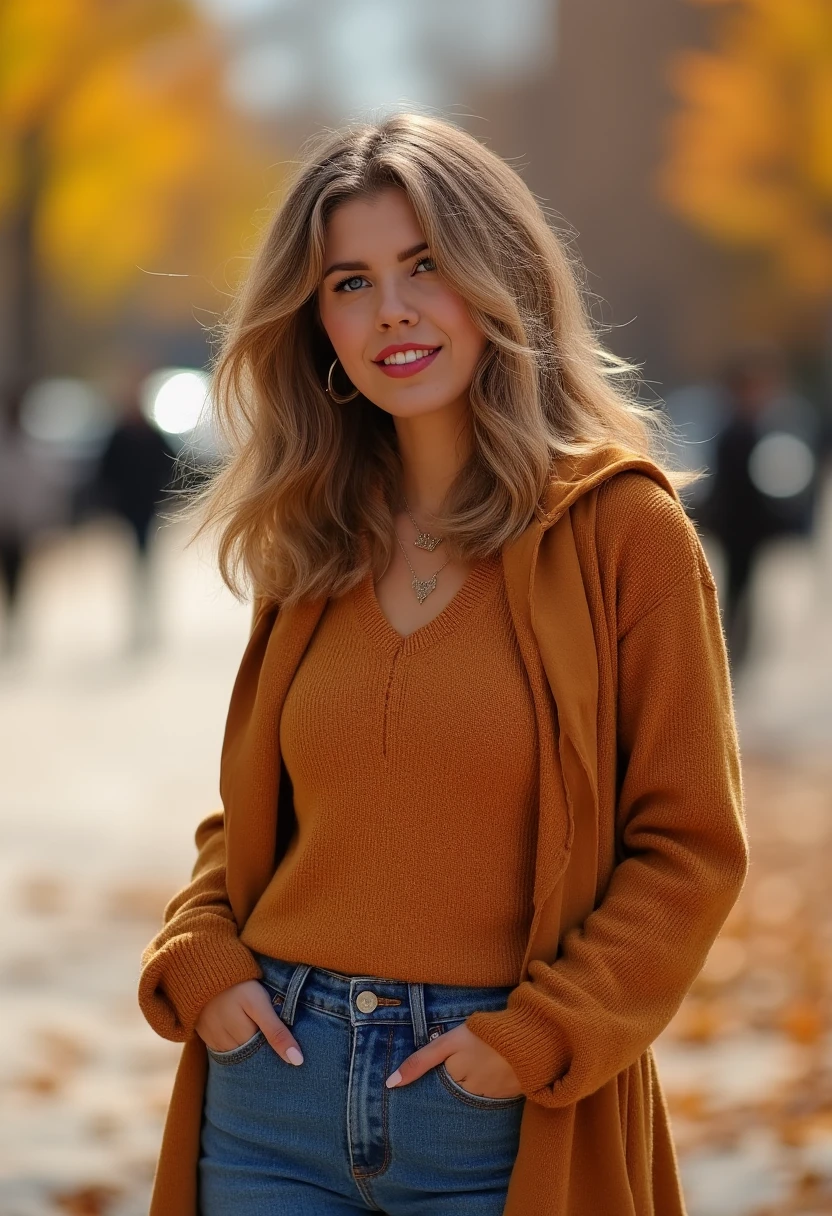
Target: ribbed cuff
{"type": "Point", "coordinates": [534, 1049]}
{"type": "Point", "coordinates": [179, 979]}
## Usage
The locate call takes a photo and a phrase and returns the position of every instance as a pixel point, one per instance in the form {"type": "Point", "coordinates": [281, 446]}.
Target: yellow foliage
{"type": "Point", "coordinates": [749, 154]}
{"type": "Point", "coordinates": [120, 154]}
{"type": "Point", "coordinates": [817, 151]}
{"type": "Point", "coordinates": [38, 44]}
{"type": "Point", "coordinates": [125, 105]}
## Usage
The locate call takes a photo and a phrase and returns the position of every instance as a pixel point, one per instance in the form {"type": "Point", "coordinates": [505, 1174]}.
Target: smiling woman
{"type": "Point", "coordinates": [405, 235]}
{"type": "Point", "coordinates": [482, 813]}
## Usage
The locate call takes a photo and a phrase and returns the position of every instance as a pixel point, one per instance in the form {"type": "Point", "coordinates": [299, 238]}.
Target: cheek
{"type": "Point", "coordinates": [469, 342]}
{"type": "Point", "coordinates": [334, 331]}
{"type": "Point", "coordinates": [344, 330]}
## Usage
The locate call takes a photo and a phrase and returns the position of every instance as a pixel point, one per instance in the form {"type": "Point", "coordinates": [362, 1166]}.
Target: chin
{"type": "Point", "coordinates": [414, 405]}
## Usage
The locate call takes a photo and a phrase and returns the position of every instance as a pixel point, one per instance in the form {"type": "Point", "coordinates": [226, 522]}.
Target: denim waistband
{"type": "Point", "coordinates": [396, 1000]}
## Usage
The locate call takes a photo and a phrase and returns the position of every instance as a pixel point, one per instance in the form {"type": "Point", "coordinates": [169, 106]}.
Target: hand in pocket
{"type": "Point", "coordinates": [234, 1015]}
{"type": "Point", "coordinates": [470, 1062]}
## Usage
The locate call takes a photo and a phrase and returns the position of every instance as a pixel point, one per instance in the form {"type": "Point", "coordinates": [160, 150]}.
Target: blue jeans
{"type": "Point", "coordinates": [327, 1136]}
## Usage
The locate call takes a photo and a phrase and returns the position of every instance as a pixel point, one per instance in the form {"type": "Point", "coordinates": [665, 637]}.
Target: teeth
{"type": "Point", "coordinates": [407, 356]}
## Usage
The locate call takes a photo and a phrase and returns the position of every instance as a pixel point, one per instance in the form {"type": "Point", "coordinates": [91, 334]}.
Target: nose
{"type": "Point", "coordinates": [394, 308]}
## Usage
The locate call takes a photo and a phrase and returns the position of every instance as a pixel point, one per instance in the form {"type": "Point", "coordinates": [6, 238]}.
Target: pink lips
{"type": "Point", "coordinates": [398, 370]}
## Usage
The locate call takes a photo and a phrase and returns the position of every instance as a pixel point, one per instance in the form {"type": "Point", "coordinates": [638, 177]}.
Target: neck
{"type": "Point", "coordinates": [433, 448]}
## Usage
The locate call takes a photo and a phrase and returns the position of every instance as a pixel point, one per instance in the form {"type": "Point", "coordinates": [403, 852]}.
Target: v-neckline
{"type": "Point", "coordinates": [479, 580]}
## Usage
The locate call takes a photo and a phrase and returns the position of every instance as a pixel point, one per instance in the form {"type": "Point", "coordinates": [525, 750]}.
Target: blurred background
{"type": "Point", "coordinates": [685, 148]}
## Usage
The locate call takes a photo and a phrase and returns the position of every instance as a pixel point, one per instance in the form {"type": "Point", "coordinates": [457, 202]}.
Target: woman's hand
{"type": "Point", "coordinates": [233, 1016]}
{"type": "Point", "coordinates": [471, 1062]}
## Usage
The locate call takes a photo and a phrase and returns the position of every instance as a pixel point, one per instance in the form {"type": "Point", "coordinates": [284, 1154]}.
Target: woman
{"type": "Point", "coordinates": [482, 807]}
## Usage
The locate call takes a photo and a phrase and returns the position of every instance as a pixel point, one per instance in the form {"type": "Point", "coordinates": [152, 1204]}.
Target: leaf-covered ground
{"type": "Point", "coordinates": [746, 1063]}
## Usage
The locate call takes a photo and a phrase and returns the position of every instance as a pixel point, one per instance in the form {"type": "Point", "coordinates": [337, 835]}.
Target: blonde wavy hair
{"type": "Point", "coordinates": [301, 477]}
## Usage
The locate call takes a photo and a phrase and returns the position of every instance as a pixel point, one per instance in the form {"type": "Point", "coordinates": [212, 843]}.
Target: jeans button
{"type": "Point", "coordinates": [366, 1001]}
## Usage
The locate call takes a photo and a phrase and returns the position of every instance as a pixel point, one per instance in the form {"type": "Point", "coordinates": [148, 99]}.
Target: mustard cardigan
{"type": "Point", "coordinates": [641, 847]}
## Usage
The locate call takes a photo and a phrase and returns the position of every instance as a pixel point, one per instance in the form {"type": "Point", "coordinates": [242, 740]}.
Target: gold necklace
{"type": "Point", "coordinates": [424, 540]}
{"type": "Point", "coordinates": [422, 586]}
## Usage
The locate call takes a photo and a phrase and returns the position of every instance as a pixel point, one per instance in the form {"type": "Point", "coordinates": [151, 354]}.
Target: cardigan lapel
{"type": "Point", "coordinates": [544, 585]}
{"type": "Point", "coordinates": [250, 760]}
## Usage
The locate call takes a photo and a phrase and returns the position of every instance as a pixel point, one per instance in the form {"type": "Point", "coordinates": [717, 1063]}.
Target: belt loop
{"type": "Point", "coordinates": [416, 993]}
{"type": "Point", "coordinates": [287, 1013]}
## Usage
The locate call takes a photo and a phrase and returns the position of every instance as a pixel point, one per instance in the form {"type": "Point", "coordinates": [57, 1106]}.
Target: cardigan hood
{"type": "Point", "coordinates": [576, 475]}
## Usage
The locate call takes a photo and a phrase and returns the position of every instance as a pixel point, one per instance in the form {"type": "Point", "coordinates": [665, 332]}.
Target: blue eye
{"type": "Point", "coordinates": [352, 283]}
{"type": "Point", "coordinates": [344, 283]}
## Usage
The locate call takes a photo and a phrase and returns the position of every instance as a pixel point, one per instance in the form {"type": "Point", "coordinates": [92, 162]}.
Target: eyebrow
{"type": "Point", "coordinates": [400, 257]}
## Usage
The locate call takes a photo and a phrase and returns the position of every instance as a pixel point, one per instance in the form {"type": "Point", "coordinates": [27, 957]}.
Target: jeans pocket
{"type": "Point", "coordinates": [483, 1101]}
{"type": "Point", "coordinates": [242, 1051]}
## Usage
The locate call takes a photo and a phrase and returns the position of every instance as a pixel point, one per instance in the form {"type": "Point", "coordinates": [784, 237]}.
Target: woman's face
{"type": "Point", "coordinates": [380, 296]}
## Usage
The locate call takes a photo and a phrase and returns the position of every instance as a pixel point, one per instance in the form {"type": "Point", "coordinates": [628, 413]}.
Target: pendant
{"type": "Point", "coordinates": [423, 587]}
{"type": "Point", "coordinates": [424, 540]}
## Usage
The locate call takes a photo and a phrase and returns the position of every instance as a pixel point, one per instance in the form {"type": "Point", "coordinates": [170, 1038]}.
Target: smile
{"type": "Point", "coordinates": [408, 362]}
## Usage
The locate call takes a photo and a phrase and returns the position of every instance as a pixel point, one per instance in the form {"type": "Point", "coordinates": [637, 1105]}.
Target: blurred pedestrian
{"type": "Point", "coordinates": [28, 505]}
{"type": "Point", "coordinates": [765, 478]}
{"type": "Point", "coordinates": [133, 473]}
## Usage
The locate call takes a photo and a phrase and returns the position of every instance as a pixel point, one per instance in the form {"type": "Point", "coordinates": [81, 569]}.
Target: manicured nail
{"type": "Point", "coordinates": [294, 1055]}
{"type": "Point", "coordinates": [393, 1079]}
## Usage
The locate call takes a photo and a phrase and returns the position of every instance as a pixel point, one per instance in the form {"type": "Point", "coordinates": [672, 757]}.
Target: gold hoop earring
{"type": "Point", "coordinates": [331, 390]}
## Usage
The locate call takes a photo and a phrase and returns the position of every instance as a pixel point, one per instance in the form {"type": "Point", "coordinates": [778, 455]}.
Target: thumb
{"type": "Point", "coordinates": [276, 1031]}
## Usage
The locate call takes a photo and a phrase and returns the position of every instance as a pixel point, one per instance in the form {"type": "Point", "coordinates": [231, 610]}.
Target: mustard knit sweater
{"type": "Point", "coordinates": [414, 766]}
{"type": "Point", "coordinates": [672, 852]}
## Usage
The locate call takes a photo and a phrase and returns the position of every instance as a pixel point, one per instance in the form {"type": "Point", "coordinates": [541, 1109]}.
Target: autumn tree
{"type": "Point", "coordinates": [749, 160]}
{"type": "Point", "coordinates": [119, 155]}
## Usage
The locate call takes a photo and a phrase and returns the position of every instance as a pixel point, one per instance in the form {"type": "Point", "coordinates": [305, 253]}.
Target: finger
{"type": "Point", "coordinates": [277, 1033]}
{"type": "Point", "coordinates": [419, 1062]}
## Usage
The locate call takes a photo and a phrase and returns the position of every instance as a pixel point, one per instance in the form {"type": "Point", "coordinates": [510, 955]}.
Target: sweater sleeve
{"type": "Point", "coordinates": [197, 954]}
{"type": "Point", "coordinates": [682, 856]}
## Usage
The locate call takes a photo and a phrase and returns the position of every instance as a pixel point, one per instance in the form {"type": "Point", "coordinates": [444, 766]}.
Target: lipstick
{"type": "Point", "coordinates": [403, 364]}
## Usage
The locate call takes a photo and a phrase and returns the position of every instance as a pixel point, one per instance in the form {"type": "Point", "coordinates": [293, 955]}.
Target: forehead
{"type": "Point", "coordinates": [383, 222]}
